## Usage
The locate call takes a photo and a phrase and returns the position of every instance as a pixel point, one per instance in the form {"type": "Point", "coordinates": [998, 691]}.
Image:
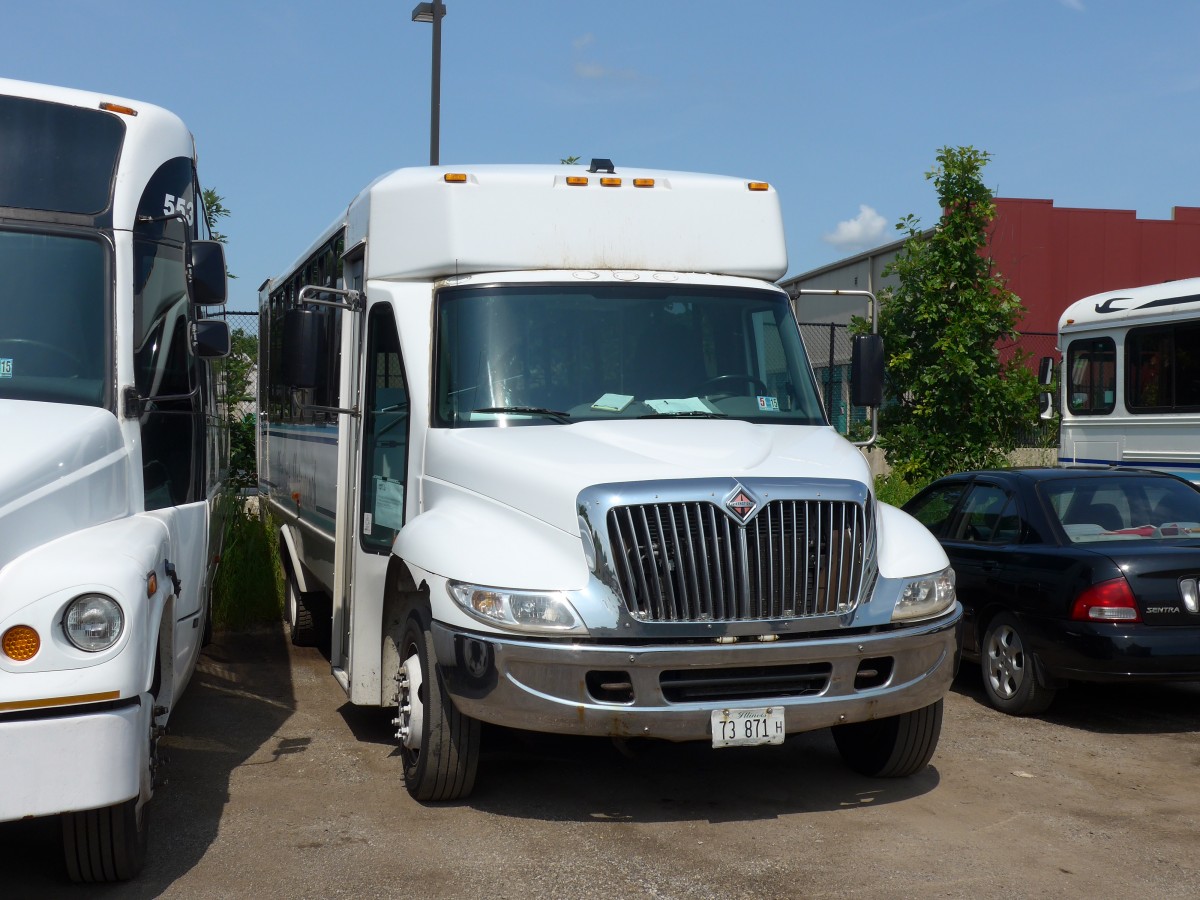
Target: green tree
{"type": "Point", "coordinates": [952, 402]}
{"type": "Point", "coordinates": [569, 160]}
{"type": "Point", "coordinates": [214, 211]}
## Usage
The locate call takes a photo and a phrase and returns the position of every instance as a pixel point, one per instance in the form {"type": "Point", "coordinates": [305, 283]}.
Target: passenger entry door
{"type": "Point", "coordinates": [380, 490]}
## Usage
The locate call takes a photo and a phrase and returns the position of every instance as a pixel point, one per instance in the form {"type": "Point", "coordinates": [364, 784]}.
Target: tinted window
{"type": "Point", "coordinates": [1092, 376]}
{"type": "Point", "coordinates": [982, 511]}
{"type": "Point", "coordinates": [1124, 507]}
{"type": "Point", "coordinates": [933, 509]}
{"type": "Point", "coordinates": [56, 157]}
{"type": "Point", "coordinates": [53, 343]}
{"type": "Point", "coordinates": [1162, 366]}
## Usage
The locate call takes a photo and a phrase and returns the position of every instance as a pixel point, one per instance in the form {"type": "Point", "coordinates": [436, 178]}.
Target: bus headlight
{"type": "Point", "coordinates": [539, 611]}
{"type": "Point", "coordinates": [925, 597]}
{"type": "Point", "coordinates": [93, 622]}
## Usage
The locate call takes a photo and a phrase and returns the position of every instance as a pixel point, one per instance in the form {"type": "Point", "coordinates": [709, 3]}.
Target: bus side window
{"type": "Point", "coordinates": [1092, 374]}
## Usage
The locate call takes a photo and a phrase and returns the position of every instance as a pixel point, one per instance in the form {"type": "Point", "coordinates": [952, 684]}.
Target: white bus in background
{"type": "Point", "coordinates": [546, 452]}
{"type": "Point", "coordinates": [112, 458]}
{"type": "Point", "coordinates": [1130, 383]}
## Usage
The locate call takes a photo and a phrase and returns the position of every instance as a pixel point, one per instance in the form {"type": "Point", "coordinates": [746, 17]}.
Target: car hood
{"type": "Point", "coordinates": [540, 469]}
{"type": "Point", "coordinates": [62, 468]}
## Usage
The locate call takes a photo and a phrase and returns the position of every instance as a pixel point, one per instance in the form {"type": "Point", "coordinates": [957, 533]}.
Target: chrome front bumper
{"type": "Point", "coordinates": [635, 691]}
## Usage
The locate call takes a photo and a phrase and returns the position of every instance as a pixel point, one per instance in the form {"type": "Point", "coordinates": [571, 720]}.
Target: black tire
{"type": "Point", "coordinates": [442, 765]}
{"type": "Point", "coordinates": [298, 610]}
{"type": "Point", "coordinates": [895, 747]}
{"type": "Point", "coordinates": [1010, 679]}
{"type": "Point", "coordinates": [108, 844]}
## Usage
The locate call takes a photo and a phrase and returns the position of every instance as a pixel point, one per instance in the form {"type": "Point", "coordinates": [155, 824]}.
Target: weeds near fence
{"type": "Point", "coordinates": [249, 587]}
{"type": "Point", "coordinates": [895, 490]}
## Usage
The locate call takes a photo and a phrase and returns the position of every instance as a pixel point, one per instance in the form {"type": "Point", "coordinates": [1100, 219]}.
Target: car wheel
{"type": "Point", "coordinates": [300, 616]}
{"type": "Point", "coordinates": [439, 745]}
{"type": "Point", "coordinates": [1009, 679]}
{"type": "Point", "coordinates": [894, 747]}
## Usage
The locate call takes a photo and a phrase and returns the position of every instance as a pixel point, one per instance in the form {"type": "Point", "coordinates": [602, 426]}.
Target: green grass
{"type": "Point", "coordinates": [249, 586]}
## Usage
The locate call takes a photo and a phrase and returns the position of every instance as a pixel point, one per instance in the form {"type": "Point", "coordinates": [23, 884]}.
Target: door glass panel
{"type": "Point", "coordinates": [385, 434]}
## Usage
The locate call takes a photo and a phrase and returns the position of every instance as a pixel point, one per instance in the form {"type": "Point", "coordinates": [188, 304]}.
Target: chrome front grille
{"type": "Point", "coordinates": [693, 562]}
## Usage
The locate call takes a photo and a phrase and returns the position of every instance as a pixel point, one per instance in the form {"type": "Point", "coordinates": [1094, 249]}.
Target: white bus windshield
{"type": "Point", "coordinates": [53, 336]}
{"type": "Point", "coordinates": [525, 354]}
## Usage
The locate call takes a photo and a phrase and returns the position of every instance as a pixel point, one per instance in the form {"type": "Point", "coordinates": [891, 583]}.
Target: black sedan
{"type": "Point", "coordinates": [1070, 575]}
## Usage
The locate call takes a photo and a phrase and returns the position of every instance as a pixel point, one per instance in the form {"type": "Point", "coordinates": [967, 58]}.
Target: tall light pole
{"type": "Point", "coordinates": [433, 12]}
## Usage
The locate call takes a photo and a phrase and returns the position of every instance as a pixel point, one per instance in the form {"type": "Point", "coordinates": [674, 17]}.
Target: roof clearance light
{"type": "Point", "coordinates": [643, 182]}
{"type": "Point", "coordinates": [759, 186]}
{"type": "Point", "coordinates": [576, 180]}
{"type": "Point", "coordinates": [117, 108]}
{"type": "Point", "coordinates": [610, 182]}
{"type": "Point", "coordinates": [21, 643]}
{"type": "Point", "coordinates": [456, 177]}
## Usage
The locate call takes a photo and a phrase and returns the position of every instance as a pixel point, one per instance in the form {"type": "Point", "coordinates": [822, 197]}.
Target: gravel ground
{"type": "Point", "coordinates": [277, 787]}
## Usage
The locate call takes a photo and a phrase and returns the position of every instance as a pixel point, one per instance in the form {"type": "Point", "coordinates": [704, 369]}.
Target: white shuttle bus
{"type": "Point", "coordinates": [111, 460]}
{"type": "Point", "coordinates": [1130, 385]}
{"type": "Point", "coordinates": [545, 451]}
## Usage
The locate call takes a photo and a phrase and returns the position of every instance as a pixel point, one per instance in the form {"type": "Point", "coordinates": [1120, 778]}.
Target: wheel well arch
{"type": "Point", "coordinates": [401, 590]}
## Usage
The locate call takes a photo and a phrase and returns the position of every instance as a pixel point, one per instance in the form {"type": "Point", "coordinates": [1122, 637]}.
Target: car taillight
{"type": "Point", "coordinates": [1108, 601]}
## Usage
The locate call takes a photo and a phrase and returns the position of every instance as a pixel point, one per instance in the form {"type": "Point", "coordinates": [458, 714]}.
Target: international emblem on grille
{"type": "Point", "coordinates": [741, 504]}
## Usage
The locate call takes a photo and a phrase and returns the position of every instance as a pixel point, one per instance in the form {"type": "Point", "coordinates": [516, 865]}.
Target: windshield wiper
{"type": "Point", "coordinates": [685, 414]}
{"type": "Point", "coordinates": [555, 414]}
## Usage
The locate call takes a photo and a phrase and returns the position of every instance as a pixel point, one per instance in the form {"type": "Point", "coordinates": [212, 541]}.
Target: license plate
{"type": "Point", "coordinates": [747, 727]}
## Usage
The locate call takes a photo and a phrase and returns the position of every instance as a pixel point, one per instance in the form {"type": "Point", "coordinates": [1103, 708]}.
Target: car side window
{"type": "Point", "coordinates": [983, 510]}
{"type": "Point", "coordinates": [933, 510]}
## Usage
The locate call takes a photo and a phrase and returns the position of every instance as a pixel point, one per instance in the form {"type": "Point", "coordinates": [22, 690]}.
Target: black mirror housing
{"type": "Point", "coordinates": [208, 285]}
{"type": "Point", "coordinates": [303, 347]}
{"type": "Point", "coordinates": [1045, 370]}
{"type": "Point", "coordinates": [866, 370]}
{"type": "Point", "coordinates": [210, 338]}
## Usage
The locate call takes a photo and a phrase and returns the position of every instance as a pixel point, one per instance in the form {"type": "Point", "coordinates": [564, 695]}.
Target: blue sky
{"type": "Point", "coordinates": [841, 105]}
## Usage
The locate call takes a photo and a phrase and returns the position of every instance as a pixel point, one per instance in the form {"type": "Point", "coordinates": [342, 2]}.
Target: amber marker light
{"type": "Point", "coordinates": [151, 584]}
{"type": "Point", "coordinates": [577, 180]}
{"type": "Point", "coordinates": [117, 108]}
{"type": "Point", "coordinates": [759, 186]}
{"type": "Point", "coordinates": [456, 177]}
{"type": "Point", "coordinates": [610, 182]}
{"type": "Point", "coordinates": [643, 182]}
{"type": "Point", "coordinates": [21, 643]}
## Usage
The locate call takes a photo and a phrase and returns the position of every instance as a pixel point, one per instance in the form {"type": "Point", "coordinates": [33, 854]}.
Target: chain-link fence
{"type": "Point", "coordinates": [829, 347]}
{"type": "Point", "coordinates": [246, 321]}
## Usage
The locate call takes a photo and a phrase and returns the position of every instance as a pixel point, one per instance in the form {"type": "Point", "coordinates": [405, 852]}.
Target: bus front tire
{"type": "Point", "coordinates": [438, 744]}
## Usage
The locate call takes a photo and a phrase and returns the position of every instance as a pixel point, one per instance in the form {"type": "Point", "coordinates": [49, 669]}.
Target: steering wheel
{"type": "Point", "coordinates": [75, 362]}
{"type": "Point", "coordinates": [722, 379]}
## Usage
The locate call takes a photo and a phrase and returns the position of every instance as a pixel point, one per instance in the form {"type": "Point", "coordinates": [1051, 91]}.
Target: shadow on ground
{"type": "Point", "coordinates": [239, 696]}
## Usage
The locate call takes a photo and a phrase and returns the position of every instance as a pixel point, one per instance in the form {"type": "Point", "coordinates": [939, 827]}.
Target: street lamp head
{"type": "Point", "coordinates": [423, 12]}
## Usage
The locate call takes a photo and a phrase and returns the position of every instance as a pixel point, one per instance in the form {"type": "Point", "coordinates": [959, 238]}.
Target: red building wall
{"type": "Point", "coordinates": [1051, 257]}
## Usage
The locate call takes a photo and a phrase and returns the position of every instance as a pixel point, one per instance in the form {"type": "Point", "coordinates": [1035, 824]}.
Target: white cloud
{"type": "Point", "coordinates": [863, 230]}
{"type": "Point", "coordinates": [1076, 5]}
{"type": "Point", "coordinates": [582, 41]}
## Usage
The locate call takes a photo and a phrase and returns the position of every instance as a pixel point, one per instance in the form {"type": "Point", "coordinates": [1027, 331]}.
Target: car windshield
{"type": "Point", "coordinates": [1124, 507]}
{"type": "Point", "coordinates": [52, 328]}
{"type": "Point", "coordinates": [545, 355]}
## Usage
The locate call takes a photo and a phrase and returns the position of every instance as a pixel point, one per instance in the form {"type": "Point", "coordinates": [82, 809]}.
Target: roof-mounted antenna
{"type": "Point", "coordinates": [602, 165]}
